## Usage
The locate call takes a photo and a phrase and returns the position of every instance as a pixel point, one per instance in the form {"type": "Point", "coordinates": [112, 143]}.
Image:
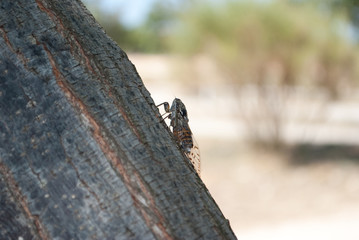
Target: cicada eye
{"type": "Point", "coordinates": [183, 112]}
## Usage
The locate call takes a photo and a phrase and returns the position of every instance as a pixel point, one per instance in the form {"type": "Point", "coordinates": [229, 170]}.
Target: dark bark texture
{"type": "Point", "coordinates": [83, 151]}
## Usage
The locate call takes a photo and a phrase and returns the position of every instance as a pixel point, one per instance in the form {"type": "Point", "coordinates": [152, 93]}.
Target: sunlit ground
{"type": "Point", "coordinates": [310, 191]}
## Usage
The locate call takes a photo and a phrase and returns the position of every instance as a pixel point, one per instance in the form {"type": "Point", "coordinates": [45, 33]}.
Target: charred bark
{"type": "Point", "coordinates": [83, 153]}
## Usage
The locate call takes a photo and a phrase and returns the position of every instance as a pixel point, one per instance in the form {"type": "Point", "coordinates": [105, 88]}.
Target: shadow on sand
{"type": "Point", "coordinates": [307, 153]}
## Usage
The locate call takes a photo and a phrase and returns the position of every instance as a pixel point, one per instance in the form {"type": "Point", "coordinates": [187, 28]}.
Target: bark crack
{"type": "Point", "coordinates": [163, 232]}
{"type": "Point", "coordinates": [68, 159]}
{"type": "Point", "coordinates": [59, 25]}
{"type": "Point", "coordinates": [84, 55]}
{"type": "Point", "coordinates": [76, 102]}
{"type": "Point", "coordinates": [6, 38]}
{"type": "Point", "coordinates": [85, 184]}
{"type": "Point", "coordinates": [61, 29]}
{"type": "Point", "coordinates": [17, 52]}
{"type": "Point", "coordinates": [15, 190]}
{"type": "Point", "coordinates": [159, 228]}
{"type": "Point", "coordinates": [35, 173]}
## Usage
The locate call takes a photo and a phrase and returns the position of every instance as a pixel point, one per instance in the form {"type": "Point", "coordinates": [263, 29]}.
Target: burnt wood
{"type": "Point", "coordinates": [83, 151]}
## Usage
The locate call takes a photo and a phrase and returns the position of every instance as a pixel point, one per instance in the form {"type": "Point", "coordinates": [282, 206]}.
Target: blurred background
{"type": "Point", "coordinates": [272, 92]}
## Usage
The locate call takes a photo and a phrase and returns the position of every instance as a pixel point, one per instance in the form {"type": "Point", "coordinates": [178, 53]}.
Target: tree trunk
{"type": "Point", "coordinates": [83, 151]}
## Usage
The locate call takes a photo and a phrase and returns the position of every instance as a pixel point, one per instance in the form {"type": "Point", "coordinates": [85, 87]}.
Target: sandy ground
{"type": "Point", "coordinates": [265, 196]}
{"type": "Point", "coordinates": [307, 192]}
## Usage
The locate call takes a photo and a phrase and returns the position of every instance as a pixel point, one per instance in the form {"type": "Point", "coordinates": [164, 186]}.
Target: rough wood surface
{"type": "Point", "coordinates": [83, 153]}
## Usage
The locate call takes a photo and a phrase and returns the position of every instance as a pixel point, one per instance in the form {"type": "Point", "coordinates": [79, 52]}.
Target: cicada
{"type": "Point", "coordinates": [181, 131]}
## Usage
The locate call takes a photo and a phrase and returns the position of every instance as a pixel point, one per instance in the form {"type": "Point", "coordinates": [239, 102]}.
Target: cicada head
{"type": "Point", "coordinates": [179, 114]}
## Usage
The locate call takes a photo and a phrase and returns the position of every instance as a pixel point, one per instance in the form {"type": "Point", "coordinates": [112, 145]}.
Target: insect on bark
{"type": "Point", "coordinates": [182, 132]}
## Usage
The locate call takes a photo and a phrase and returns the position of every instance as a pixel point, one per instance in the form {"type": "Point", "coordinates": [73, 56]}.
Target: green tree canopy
{"type": "Point", "coordinates": [245, 38]}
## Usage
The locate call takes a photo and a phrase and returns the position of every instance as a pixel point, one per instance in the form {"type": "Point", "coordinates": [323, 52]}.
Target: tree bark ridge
{"type": "Point", "coordinates": [83, 151]}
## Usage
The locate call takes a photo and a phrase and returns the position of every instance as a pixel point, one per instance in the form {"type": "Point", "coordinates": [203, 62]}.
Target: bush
{"type": "Point", "coordinates": [274, 47]}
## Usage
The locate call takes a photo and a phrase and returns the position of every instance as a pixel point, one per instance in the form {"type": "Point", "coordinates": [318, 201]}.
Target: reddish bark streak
{"type": "Point", "coordinates": [22, 200]}
{"type": "Point", "coordinates": [58, 76]}
{"type": "Point", "coordinates": [122, 111]}
{"type": "Point", "coordinates": [59, 25]}
{"type": "Point", "coordinates": [112, 156]}
{"type": "Point", "coordinates": [157, 228]}
{"type": "Point", "coordinates": [61, 29]}
{"type": "Point", "coordinates": [8, 43]}
{"type": "Point", "coordinates": [82, 52]}
{"type": "Point", "coordinates": [153, 207]}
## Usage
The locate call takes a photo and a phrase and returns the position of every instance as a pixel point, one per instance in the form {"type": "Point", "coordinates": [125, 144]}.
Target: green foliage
{"type": "Point", "coordinates": [149, 37]}
{"type": "Point", "coordinates": [115, 30]}
{"type": "Point", "coordinates": [152, 35]}
{"type": "Point", "coordinates": [349, 7]}
{"type": "Point", "coordinates": [246, 37]}
{"type": "Point", "coordinates": [271, 47]}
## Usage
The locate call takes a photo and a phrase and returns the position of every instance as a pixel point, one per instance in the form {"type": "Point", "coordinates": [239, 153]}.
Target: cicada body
{"type": "Point", "coordinates": [182, 132]}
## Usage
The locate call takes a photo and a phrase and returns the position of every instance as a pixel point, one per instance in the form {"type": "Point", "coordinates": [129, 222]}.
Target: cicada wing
{"type": "Point", "coordinates": [195, 157]}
